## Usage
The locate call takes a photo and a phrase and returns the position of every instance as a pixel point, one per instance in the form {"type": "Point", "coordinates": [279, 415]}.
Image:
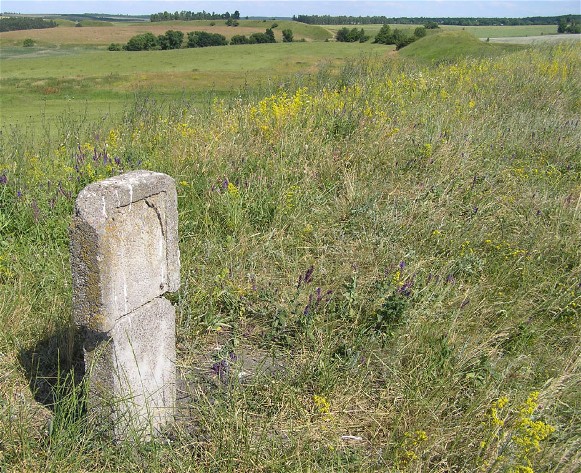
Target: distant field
{"type": "Point", "coordinates": [69, 68]}
{"type": "Point", "coordinates": [478, 31]}
{"type": "Point", "coordinates": [505, 31]}
{"type": "Point", "coordinates": [99, 82]}
{"type": "Point", "coordinates": [536, 39]}
{"type": "Point", "coordinates": [109, 33]}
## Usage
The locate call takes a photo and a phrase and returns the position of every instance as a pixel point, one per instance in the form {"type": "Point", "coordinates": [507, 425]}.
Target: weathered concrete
{"type": "Point", "coordinates": [125, 256]}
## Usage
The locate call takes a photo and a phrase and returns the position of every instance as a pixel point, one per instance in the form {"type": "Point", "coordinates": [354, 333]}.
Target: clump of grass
{"type": "Point", "coordinates": [400, 242]}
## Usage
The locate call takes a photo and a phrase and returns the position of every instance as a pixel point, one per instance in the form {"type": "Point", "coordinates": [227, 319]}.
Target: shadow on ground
{"type": "Point", "coordinates": [53, 365]}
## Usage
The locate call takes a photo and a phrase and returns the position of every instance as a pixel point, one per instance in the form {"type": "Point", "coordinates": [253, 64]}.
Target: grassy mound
{"type": "Point", "coordinates": [452, 45]}
{"type": "Point", "coordinates": [396, 250]}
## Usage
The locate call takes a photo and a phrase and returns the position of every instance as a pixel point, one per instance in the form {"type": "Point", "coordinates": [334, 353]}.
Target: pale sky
{"type": "Point", "coordinates": [282, 8]}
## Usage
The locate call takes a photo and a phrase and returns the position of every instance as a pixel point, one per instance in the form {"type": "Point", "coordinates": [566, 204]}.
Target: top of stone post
{"type": "Point", "coordinates": [124, 244]}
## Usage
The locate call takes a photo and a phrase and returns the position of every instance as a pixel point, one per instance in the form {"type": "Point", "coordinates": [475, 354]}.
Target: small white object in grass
{"type": "Point", "coordinates": [353, 438]}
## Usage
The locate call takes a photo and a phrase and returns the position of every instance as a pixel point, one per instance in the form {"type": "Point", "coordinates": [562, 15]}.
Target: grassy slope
{"type": "Point", "coordinates": [103, 81]}
{"type": "Point", "coordinates": [452, 45]}
{"type": "Point", "coordinates": [439, 209]}
{"type": "Point", "coordinates": [505, 31]}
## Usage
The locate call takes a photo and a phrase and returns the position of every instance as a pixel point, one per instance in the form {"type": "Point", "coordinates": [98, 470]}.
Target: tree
{"type": "Point", "coordinates": [420, 32]}
{"type": "Point", "coordinates": [384, 35]}
{"type": "Point", "coordinates": [202, 39]}
{"type": "Point", "coordinates": [287, 36]}
{"type": "Point", "coordinates": [142, 42]}
{"type": "Point", "coordinates": [351, 36]}
{"type": "Point", "coordinates": [562, 28]}
{"type": "Point", "coordinates": [239, 39]}
{"type": "Point", "coordinates": [236, 15]}
{"type": "Point", "coordinates": [270, 35]}
{"type": "Point", "coordinates": [431, 25]}
{"type": "Point", "coordinates": [171, 40]}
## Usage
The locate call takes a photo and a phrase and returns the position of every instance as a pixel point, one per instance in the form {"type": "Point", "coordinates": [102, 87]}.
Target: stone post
{"type": "Point", "coordinates": [124, 257]}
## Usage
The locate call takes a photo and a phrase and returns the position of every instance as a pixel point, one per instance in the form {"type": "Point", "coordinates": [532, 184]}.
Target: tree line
{"type": "Point", "coordinates": [190, 16]}
{"type": "Point", "coordinates": [478, 21]}
{"type": "Point", "coordinates": [384, 36]}
{"type": "Point", "coordinates": [569, 25]}
{"type": "Point", "coordinates": [16, 23]}
{"type": "Point", "coordinates": [173, 39]}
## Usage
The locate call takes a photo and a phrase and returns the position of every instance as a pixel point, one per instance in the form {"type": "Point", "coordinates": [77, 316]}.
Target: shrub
{"type": "Point", "coordinates": [384, 35]}
{"type": "Point", "coordinates": [202, 39]}
{"type": "Point", "coordinates": [287, 36]}
{"type": "Point", "coordinates": [345, 35]}
{"type": "Point", "coordinates": [239, 39]}
{"type": "Point", "coordinates": [266, 37]}
{"type": "Point", "coordinates": [28, 43]}
{"type": "Point", "coordinates": [420, 32]}
{"type": "Point", "coordinates": [142, 42]}
{"type": "Point", "coordinates": [115, 47]}
{"type": "Point", "coordinates": [171, 40]}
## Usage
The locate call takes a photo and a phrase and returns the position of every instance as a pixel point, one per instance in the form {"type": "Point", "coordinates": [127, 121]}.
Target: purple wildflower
{"type": "Point", "coordinates": [406, 288]}
{"type": "Point", "coordinates": [402, 264]}
{"type": "Point", "coordinates": [309, 275]}
{"type": "Point", "coordinates": [3, 179]}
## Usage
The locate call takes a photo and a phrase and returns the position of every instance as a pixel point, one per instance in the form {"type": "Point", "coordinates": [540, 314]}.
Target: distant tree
{"type": "Point", "coordinates": [345, 35]}
{"type": "Point", "coordinates": [142, 42]}
{"type": "Point", "coordinates": [236, 15]}
{"type": "Point", "coordinates": [239, 39]}
{"type": "Point", "coordinates": [384, 35]}
{"type": "Point", "coordinates": [287, 36]}
{"type": "Point", "coordinates": [270, 35]}
{"type": "Point", "coordinates": [24, 23]}
{"type": "Point", "coordinates": [203, 39]}
{"type": "Point", "coordinates": [420, 32]}
{"type": "Point", "coordinates": [172, 39]}
{"type": "Point", "coordinates": [431, 25]}
{"type": "Point", "coordinates": [342, 35]}
{"type": "Point", "coordinates": [562, 28]}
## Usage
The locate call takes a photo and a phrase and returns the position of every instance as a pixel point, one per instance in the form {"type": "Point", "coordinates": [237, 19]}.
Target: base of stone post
{"type": "Point", "coordinates": [131, 372]}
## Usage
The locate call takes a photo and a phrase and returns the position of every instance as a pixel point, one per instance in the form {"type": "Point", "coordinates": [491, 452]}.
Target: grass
{"type": "Point", "coordinates": [505, 31]}
{"type": "Point", "coordinates": [105, 34]}
{"type": "Point", "coordinates": [392, 253]}
{"type": "Point", "coordinates": [104, 81]}
{"type": "Point", "coordinates": [452, 45]}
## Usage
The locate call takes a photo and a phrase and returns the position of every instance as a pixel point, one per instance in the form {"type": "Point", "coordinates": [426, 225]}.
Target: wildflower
{"type": "Point", "coordinates": [3, 179]}
{"type": "Point", "coordinates": [233, 190]}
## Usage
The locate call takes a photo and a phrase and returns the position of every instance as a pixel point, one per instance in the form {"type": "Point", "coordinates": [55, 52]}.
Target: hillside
{"type": "Point", "coordinates": [380, 270]}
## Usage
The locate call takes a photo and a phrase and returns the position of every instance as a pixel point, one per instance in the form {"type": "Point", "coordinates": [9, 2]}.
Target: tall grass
{"type": "Point", "coordinates": [380, 271]}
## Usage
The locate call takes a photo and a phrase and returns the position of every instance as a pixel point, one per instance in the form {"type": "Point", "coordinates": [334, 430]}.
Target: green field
{"type": "Point", "coordinates": [104, 81]}
{"type": "Point", "coordinates": [380, 250]}
{"type": "Point", "coordinates": [505, 31]}
{"type": "Point", "coordinates": [69, 69]}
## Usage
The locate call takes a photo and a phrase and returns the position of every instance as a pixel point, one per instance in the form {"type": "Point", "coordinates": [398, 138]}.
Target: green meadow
{"type": "Point", "coordinates": [64, 71]}
{"type": "Point", "coordinates": [381, 264]}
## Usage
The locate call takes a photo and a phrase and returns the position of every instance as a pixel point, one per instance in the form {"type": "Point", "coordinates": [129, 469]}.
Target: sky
{"type": "Point", "coordinates": [283, 8]}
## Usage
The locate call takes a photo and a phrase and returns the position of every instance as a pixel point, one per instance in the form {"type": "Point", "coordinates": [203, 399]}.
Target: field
{"type": "Point", "coordinates": [70, 69]}
{"type": "Point", "coordinates": [381, 264]}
